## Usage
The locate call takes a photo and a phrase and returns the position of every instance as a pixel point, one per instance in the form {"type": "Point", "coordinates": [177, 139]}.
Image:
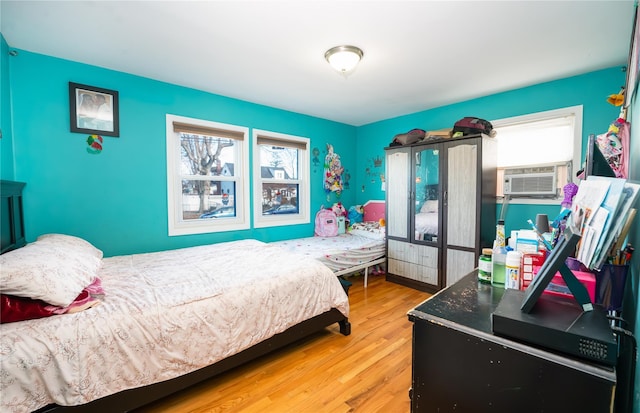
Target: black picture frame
{"type": "Point", "coordinates": [93, 110]}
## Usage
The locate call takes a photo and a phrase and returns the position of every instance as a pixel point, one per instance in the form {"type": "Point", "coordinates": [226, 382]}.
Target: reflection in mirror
{"type": "Point", "coordinates": [426, 189]}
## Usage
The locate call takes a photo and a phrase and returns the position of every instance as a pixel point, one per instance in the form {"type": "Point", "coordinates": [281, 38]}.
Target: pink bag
{"type": "Point", "coordinates": [326, 223]}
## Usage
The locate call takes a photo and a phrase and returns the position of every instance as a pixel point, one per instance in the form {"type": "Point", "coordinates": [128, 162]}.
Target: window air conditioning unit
{"type": "Point", "coordinates": [531, 181]}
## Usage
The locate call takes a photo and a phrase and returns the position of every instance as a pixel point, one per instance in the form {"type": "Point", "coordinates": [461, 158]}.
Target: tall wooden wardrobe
{"type": "Point", "coordinates": [441, 209]}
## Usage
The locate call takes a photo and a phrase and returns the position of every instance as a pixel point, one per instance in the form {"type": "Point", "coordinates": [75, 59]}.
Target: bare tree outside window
{"type": "Point", "coordinates": [276, 156]}
{"type": "Point", "coordinates": [202, 156]}
{"type": "Point", "coordinates": [207, 170]}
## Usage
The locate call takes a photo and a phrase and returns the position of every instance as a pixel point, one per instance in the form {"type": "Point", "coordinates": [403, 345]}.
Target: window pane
{"type": "Point", "coordinates": [208, 199]}
{"type": "Point", "coordinates": [278, 162]}
{"type": "Point", "coordinates": [279, 199]}
{"type": "Point", "coordinates": [207, 176]}
{"type": "Point", "coordinates": [205, 155]}
{"type": "Point", "coordinates": [543, 139]}
{"type": "Point", "coordinates": [530, 144]}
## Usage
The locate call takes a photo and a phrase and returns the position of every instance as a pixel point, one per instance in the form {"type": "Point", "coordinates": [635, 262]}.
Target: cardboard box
{"type": "Point", "coordinates": [442, 133]}
{"type": "Point", "coordinates": [529, 267]}
{"type": "Point", "coordinates": [526, 241]}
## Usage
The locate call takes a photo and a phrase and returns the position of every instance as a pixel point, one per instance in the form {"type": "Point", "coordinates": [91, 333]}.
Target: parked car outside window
{"type": "Point", "coordinates": [282, 209]}
{"type": "Point", "coordinates": [222, 212]}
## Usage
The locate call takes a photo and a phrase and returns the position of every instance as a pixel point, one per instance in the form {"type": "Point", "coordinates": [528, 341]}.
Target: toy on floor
{"type": "Point", "coordinates": [378, 269]}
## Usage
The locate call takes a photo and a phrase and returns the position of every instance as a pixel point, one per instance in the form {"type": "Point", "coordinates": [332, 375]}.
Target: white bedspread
{"type": "Point", "coordinates": [164, 314]}
{"type": "Point", "coordinates": [340, 252]}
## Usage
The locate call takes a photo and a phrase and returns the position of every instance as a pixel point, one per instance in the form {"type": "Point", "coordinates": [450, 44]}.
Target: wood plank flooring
{"type": "Point", "coordinates": [368, 371]}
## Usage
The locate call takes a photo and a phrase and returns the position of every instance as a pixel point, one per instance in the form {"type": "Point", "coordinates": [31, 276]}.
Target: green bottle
{"type": "Point", "coordinates": [499, 257]}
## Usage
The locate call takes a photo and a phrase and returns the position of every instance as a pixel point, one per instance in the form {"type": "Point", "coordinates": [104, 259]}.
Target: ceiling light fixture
{"type": "Point", "coordinates": [344, 59]}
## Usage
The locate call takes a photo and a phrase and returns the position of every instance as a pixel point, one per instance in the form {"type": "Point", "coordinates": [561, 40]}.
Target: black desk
{"type": "Point", "coordinates": [460, 366]}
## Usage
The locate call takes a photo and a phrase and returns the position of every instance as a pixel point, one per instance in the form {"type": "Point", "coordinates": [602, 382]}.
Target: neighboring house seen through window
{"type": "Point", "coordinates": [280, 179]}
{"type": "Point", "coordinates": [207, 170]}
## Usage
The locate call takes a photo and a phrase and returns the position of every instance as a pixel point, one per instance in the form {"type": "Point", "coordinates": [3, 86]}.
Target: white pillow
{"type": "Point", "coordinates": [368, 229]}
{"type": "Point", "coordinates": [430, 206]}
{"type": "Point", "coordinates": [54, 269]}
{"type": "Point", "coordinates": [377, 235]}
{"type": "Point", "coordinates": [71, 244]}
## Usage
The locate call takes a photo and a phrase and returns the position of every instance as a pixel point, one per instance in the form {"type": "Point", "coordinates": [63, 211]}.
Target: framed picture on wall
{"type": "Point", "coordinates": [93, 110]}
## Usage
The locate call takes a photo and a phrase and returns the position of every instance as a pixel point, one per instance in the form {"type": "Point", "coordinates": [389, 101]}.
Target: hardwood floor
{"type": "Point", "coordinates": [368, 371]}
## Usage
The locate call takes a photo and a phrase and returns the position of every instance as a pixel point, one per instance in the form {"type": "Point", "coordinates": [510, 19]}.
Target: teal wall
{"type": "Point", "coordinates": [118, 199]}
{"type": "Point", "coordinates": [589, 90]}
{"type": "Point", "coordinates": [6, 149]}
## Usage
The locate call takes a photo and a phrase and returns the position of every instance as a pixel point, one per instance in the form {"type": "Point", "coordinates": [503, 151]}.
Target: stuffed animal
{"type": "Point", "coordinates": [617, 99]}
{"type": "Point", "coordinates": [356, 214]}
{"type": "Point", "coordinates": [339, 210]}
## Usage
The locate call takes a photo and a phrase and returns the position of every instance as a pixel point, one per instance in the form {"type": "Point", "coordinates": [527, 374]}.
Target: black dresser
{"type": "Point", "coordinates": [459, 365]}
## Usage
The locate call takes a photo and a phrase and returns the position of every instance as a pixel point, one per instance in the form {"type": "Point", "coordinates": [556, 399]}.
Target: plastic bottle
{"type": "Point", "coordinates": [484, 266]}
{"type": "Point", "coordinates": [500, 234]}
{"type": "Point", "coordinates": [499, 257]}
{"type": "Point", "coordinates": [512, 267]}
{"type": "Point", "coordinates": [498, 266]}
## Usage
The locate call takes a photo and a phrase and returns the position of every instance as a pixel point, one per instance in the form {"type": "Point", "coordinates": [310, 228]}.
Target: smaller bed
{"type": "Point", "coordinates": [360, 248]}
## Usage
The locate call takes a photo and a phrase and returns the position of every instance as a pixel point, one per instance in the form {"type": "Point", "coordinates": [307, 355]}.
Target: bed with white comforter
{"type": "Point", "coordinates": [162, 315]}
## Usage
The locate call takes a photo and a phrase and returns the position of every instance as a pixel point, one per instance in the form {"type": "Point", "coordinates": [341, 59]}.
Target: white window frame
{"type": "Point", "coordinates": [576, 162]}
{"type": "Point", "coordinates": [303, 181]}
{"type": "Point", "coordinates": [177, 225]}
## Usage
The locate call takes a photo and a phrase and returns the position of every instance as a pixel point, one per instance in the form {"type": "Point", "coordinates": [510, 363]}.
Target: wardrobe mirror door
{"type": "Point", "coordinates": [426, 187]}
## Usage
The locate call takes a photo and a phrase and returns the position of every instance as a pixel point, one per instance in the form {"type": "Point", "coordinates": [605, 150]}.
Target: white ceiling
{"type": "Point", "coordinates": [417, 54]}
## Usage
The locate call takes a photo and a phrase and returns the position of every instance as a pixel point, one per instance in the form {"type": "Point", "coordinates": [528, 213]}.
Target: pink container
{"type": "Point", "coordinates": [557, 286]}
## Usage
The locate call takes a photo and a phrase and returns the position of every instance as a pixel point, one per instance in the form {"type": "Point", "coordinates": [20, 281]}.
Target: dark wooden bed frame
{"type": "Point", "coordinates": [13, 236]}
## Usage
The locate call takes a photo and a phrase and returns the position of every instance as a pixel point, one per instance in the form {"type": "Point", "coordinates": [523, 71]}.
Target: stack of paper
{"type": "Point", "coordinates": [599, 211]}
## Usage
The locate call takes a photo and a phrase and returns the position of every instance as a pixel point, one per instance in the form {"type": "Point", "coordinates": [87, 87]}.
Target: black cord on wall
{"type": "Point", "coordinates": [625, 369]}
